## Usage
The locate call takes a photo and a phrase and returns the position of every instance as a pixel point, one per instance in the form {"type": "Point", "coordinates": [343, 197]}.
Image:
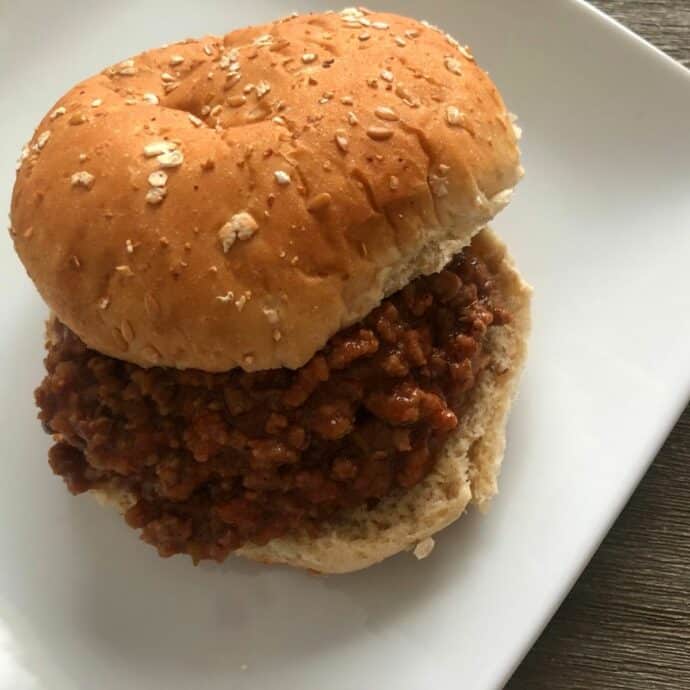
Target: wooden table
{"type": "Point", "coordinates": [626, 623]}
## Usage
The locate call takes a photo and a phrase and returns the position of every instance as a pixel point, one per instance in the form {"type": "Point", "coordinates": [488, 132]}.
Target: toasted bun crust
{"type": "Point", "coordinates": [320, 163]}
{"type": "Point", "coordinates": [465, 473]}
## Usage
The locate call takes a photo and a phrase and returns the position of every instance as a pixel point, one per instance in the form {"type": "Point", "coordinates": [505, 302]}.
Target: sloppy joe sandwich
{"type": "Point", "coordinates": [280, 326]}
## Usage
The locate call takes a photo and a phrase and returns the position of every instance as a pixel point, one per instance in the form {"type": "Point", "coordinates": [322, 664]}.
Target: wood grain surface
{"type": "Point", "coordinates": [626, 623]}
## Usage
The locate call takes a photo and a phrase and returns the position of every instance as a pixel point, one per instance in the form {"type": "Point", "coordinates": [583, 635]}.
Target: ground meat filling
{"type": "Point", "coordinates": [217, 460]}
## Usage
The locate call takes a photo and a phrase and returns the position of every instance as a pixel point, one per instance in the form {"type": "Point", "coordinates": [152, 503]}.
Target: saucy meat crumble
{"type": "Point", "coordinates": [214, 460]}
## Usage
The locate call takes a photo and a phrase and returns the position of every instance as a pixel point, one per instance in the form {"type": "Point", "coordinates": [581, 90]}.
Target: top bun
{"type": "Point", "coordinates": [236, 200]}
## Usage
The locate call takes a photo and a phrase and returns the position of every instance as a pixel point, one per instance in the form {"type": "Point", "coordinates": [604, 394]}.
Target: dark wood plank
{"type": "Point", "coordinates": [665, 23]}
{"type": "Point", "coordinates": [626, 623]}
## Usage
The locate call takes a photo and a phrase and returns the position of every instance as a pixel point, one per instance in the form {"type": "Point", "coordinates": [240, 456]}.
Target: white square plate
{"type": "Point", "coordinates": [600, 226]}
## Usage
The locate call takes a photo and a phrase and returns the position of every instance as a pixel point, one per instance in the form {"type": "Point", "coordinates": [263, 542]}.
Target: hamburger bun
{"type": "Point", "coordinates": [234, 201]}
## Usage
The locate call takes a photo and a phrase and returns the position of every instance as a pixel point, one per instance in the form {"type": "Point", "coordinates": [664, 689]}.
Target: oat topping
{"type": "Point", "coordinates": [155, 195]}
{"type": "Point", "coordinates": [152, 307]}
{"type": "Point", "coordinates": [82, 179]}
{"type": "Point", "coordinates": [151, 98]}
{"type": "Point", "coordinates": [96, 102]}
{"type": "Point", "coordinates": [271, 315]}
{"type": "Point", "coordinates": [407, 98]}
{"type": "Point", "coordinates": [352, 118]}
{"type": "Point", "coordinates": [242, 300]}
{"type": "Point", "coordinates": [319, 202]}
{"type": "Point", "coordinates": [453, 116]}
{"type": "Point", "coordinates": [364, 36]}
{"type": "Point", "coordinates": [351, 13]}
{"type": "Point", "coordinates": [241, 226]}
{"type": "Point", "coordinates": [400, 41]}
{"type": "Point", "coordinates": [157, 148]}
{"type": "Point", "coordinates": [124, 270]}
{"type": "Point", "coordinates": [379, 25]}
{"type": "Point", "coordinates": [167, 77]}
{"type": "Point", "coordinates": [451, 40]}
{"type": "Point", "coordinates": [517, 130]}
{"type": "Point", "coordinates": [127, 69]}
{"type": "Point", "coordinates": [26, 152]}
{"type": "Point", "coordinates": [341, 140]}
{"type": "Point", "coordinates": [129, 246]}
{"type": "Point", "coordinates": [103, 302]}
{"type": "Point", "coordinates": [385, 113]}
{"type": "Point", "coordinates": [236, 101]}
{"type": "Point", "coordinates": [423, 548]}
{"type": "Point", "coordinates": [308, 57]}
{"type": "Point", "coordinates": [42, 140]}
{"type": "Point", "coordinates": [465, 52]}
{"type": "Point", "coordinates": [77, 119]}
{"type": "Point", "coordinates": [379, 133]}
{"type": "Point", "coordinates": [393, 182]}
{"type": "Point", "coordinates": [255, 115]}
{"type": "Point", "coordinates": [453, 65]}
{"type": "Point", "coordinates": [158, 179]}
{"type": "Point", "coordinates": [347, 100]}
{"type": "Point", "coordinates": [127, 331]}
{"type": "Point", "coordinates": [151, 353]}
{"type": "Point", "coordinates": [170, 159]}
{"type": "Point", "coordinates": [438, 185]}
{"type": "Point", "coordinates": [195, 120]}
{"type": "Point", "coordinates": [58, 112]}
{"type": "Point", "coordinates": [387, 75]}
{"type": "Point", "coordinates": [262, 88]}
{"type": "Point", "coordinates": [229, 296]}
{"type": "Point", "coordinates": [176, 60]}
{"type": "Point", "coordinates": [263, 40]}
{"type": "Point", "coordinates": [282, 177]}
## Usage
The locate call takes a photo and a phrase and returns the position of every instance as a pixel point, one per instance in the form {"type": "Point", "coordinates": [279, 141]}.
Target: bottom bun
{"type": "Point", "coordinates": [465, 473]}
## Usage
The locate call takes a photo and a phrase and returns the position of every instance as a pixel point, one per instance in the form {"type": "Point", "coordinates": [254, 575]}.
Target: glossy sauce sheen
{"type": "Point", "coordinates": [219, 459]}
